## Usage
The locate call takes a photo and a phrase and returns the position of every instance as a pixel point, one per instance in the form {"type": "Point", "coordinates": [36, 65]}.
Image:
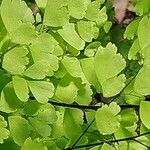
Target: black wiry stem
{"type": "Point", "coordinates": [141, 143]}
{"type": "Point", "coordinates": [83, 133]}
{"type": "Point", "coordinates": [86, 107]}
{"type": "Point", "coordinates": [95, 108]}
{"type": "Point", "coordinates": [111, 141]}
{"type": "Point", "coordinates": [92, 107]}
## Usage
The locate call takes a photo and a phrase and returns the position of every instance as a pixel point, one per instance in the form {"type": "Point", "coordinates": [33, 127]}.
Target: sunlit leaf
{"type": "Point", "coordinates": [56, 13]}
{"type": "Point", "coordinates": [69, 34]}
{"type": "Point", "coordinates": [15, 60]}
{"type": "Point", "coordinates": [21, 91]}
{"type": "Point", "coordinates": [41, 90]}
{"type": "Point", "coordinates": [106, 119]}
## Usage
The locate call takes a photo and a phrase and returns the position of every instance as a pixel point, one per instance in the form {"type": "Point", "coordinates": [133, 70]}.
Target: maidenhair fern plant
{"type": "Point", "coordinates": [72, 78]}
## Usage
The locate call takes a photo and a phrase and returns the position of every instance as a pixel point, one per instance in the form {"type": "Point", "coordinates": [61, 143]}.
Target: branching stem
{"type": "Point", "coordinates": [111, 141]}
{"type": "Point", "coordinates": [86, 107]}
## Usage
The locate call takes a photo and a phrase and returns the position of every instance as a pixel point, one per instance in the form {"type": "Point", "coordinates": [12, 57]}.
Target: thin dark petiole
{"type": "Point", "coordinates": [83, 133]}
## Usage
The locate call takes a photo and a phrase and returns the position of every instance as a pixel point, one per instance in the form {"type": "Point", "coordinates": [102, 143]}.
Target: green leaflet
{"type": "Point", "coordinates": [74, 90]}
{"type": "Point", "coordinates": [93, 7]}
{"type": "Point", "coordinates": [95, 148]}
{"type": "Point", "coordinates": [145, 54]}
{"type": "Point", "coordinates": [69, 34]}
{"type": "Point", "coordinates": [72, 50]}
{"type": "Point", "coordinates": [71, 124]}
{"type": "Point", "coordinates": [61, 72]}
{"type": "Point", "coordinates": [45, 67]}
{"type": "Point", "coordinates": [128, 123]}
{"type": "Point", "coordinates": [67, 86]}
{"type": "Point", "coordinates": [113, 85]}
{"type": "Point", "coordinates": [91, 49]}
{"type": "Point", "coordinates": [56, 13]}
{"type": "Point", "coordinates": [87, 30]}
{"type": "Point", "coordinates": [100, 1]}
{"type": "Point", "coordinates": [57, 127]}
{"type": "Point", "coordinates": [142, 8]}
{"type": "Point", "coordinates": [141, 84]}
{"type": "Point", "coordinates": [43, 129]}
{"type": "Point", "coordinates": [104, 67]}
{"type": "Point", "coordinates": [41, 90]}
{"type": "Point", "coordinates": [143, 32]}
{"type": "Point", "coordinates": [102, 17]}
{"type": "Point", "coordinates": [89, 72]}
{"type": "Point", "coordinates": [123, 146]}
{"type": "Point", "coordinates": [84, 95]}
{"type": "Point", "coordinates": [93, 13]}
{"type": "Point", "coordinates": [41, 117]}
{"type": "Point", "coordinates": [15, 60]}
{"type": "Point", "coordinates": [35, 144]}
{"type": "Point", "coordinates": [108, 64]}
{"type": "Point", "coordinates": [40, 70]}
{"type": "Point", "coordinates": [44, 43]}
{"type": "Point", "coordinates": [59, 43]}
{"type": "Point", "coordinates": [128, 117]}
{"type": "Point", "coordinates": [106, 119]}
{"type": "Point", "coordinates": [19, 129]}
{"type": "Point", "coordinates": [45, 63]}
{"type": "Point", "coordinates": [3, 36]}
{"type": "Point", "coordinates": [38, 18]}
{"type": "Point", "coordinates": [77, 8]}
{"type": "Point", "coordinates": [131, 97]}
{"type": "Point", "coordinates": [72, 65]}
{"type": "Point", "coordinates": [51, 144]}
{"type": "Point", "coordinates": [107, 26]}
{"type": "Point", "coordinates": [104, 147]}
{"type": "Point", "coordinates": [9, 102]}
{"type": "Point", "coordinates": [69, 52]}
{"type": "Point", "coordinates": [138, 146]}
{"type": "Point", "coordinates": [123, 132]}
{"type": "Point", "coordinates": [47, 114]}
{"type": "Point", "coordinates": [131, 30]}
{"type": "Point", "coordinates": [4, 133]}
{"type": "Point", "coordinates": [144, 129]}
{"type": "Point", "coordinates": [14, 13]}
{"type": "Point", "coordinates": [24, 34]}
{"type": "Point", "coordinates": [144, 110]}
{"type": "Point", "coordinates": [22, 91]}
{"type": "Point", "coordinates": [107, 147]}
{"type": "Point", "coordinates": [37, 70]}
{"type": "Point", "coordinates": [135, 48]}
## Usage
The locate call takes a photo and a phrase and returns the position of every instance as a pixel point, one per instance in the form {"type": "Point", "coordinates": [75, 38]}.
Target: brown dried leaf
{"type": "Point", "coordinates": [121, 9]}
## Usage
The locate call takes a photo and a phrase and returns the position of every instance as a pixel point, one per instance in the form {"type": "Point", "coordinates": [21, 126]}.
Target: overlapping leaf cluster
{"type": "Point", "coordinates": [68, 53]}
